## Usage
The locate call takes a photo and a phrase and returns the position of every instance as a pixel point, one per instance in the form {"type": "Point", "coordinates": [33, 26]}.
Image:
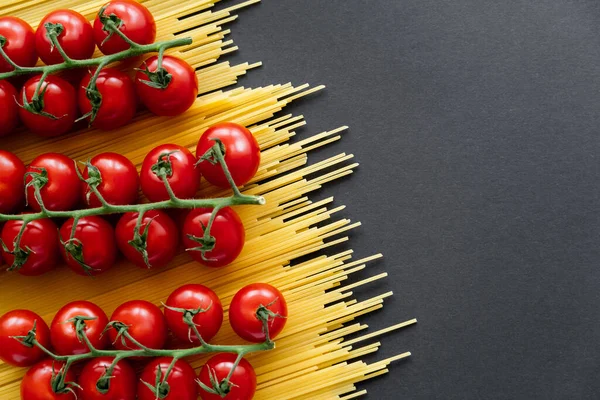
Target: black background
{"type": "Point", "coordinates": [476, 124]}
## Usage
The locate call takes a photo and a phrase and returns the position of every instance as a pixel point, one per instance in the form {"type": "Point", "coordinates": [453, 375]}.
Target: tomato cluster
{"type": "Point", "coordinates": [50, 105]}
{"type": "Point", "coordinates": [91, 246]}
{"type": "Point", "coordinates": [79, 329]}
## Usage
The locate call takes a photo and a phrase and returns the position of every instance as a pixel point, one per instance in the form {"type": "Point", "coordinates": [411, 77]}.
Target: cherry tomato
{"type": "Point", "coordinates": [243, 380]}
{"type": "Point", "coordinates": [63, 189]}
{"type": "Point", "coordinates": [257, 298]}
{"type": "Point", "coordinates": [120, 180]}
{"type": "Point", "coordinates": [94, 245]}
{"type": "Point", "coordinates": [242, 154]}
{"type": "Point", "coordinates": [194, 297]}
{"type": "Point", "coordinates": [227, 229]}
{"type": "Point", "coordinates": [40, 237]}
{"type": "Point", "coordinates": [136, 22]}
{"type": "Point", "coordinates": [161, 239]}
{"type": "Point", "coordinates": [181, 383]}
{"type": "Point", "coordinates": [118, 99]}
{"type": "Point", "coordinates": [63, 332]}
{"type": "Point", "coordinates": [179, 164]}
{"type": "Point", "coordinates": [37, 382]}
{"type": "Point", "coordinates": [12, 188]}
{"type": "Point", "coordinates": [58, 100]}
{"type": "Point", "coordinates": [76, 38]}
{"type": "Point", "coordinates": [20, 43]}
{"type": "Point", "coordinates": [9, 117]}
{"type": "Point", "coordinates": [19, 323]}
{"type": "Point", "coordinates": [145, 322]}
{"type": "Point", "coordinates": [121, 385]}
{"type": "Point", "coordinates": [180, 93]}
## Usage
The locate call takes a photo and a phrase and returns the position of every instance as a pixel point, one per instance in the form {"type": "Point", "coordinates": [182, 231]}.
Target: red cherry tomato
{"type": "Point", "coordinates": [194, 297]}
{"type": "Point", "coordinates": [145, 322]}
{"type": "Point", "coordinates": [12, 188]}
{"type": "Point", "coordinates": [242, 154]}
{"type": "Point", "coordinates": [37, 382]}
{"type": "Point", "coordinates": [76, 38]}
{"type": "Point", "coordinates": [41, 237]}
{"type": "Point", "coordinates": [243, 379]}
{"type": "Point", "coordinates": [180, 93]}
{"type": "Point", "coordinates": [58, 100]}
{"type": "Point", "coordinates": [94, 243]}
{"type": "Point", "coordinates": [245, 305]}
{"type": "Point", "coordinates": [161, 241]}
{"type": "Point", "coordinates": [182, 174]}
{"type": "Point", "coordinates": [9, 117]}
{"type": "Point", "coordinates": [180, 382]}
{"type": "Point", "coordinates": [63, 332]}
{"type": "Point", "coordinates": [20, 43]}
{"type": "Point", "coordinates": [227, 229]}
{"type": "Point", "coordinates": [120, 386]}
{"type": "Point", "coordinates": [118, 99]}
{"type": "Point", "coordinates": [19, 323]}
{"type": "Point", "coordinates": [136, 22]}
{"type": "Point", "coordinates": [63, 189]}
{"type": "Point", "coordinates": [120, 180]}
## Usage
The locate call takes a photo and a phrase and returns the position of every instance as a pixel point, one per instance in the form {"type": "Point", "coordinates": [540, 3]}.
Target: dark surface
{"type": "Point", "coordinates": [476, 123]}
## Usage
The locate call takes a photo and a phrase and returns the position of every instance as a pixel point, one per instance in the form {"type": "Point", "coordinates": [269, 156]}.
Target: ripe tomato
{"type": "Point", "coordinates": [227, 230]}
{"type": "Point", "coordinates": [161, 238]}
{"type": "Point", "coordinates": [19, 323]}
{"type": "Point", "coordinates": [117, 97]}
{"type": "Point", "coordinates": [194, 297]}
{"type": "Point", "coordinates": [120, 385]}
{"type": "Point", "coordinates": [180, 93]}
{"type": "Point", "coordinates": [12, 188]}
{"type": "Point", "coordinates": [94, 245]}
{"type": "Point", "coordinates": [179, 165]}
{"type": "Point", "coordinates": [63, 189]}
{"type": "Point", "coordinates": [145, 322]}
{"type": "Point", "coordinates": [181, 383]}
{"type": "Point", "coordinates": [76, 37]}
{"type": "Point", "coordinates": [63, 331]}
{"type": "Point", "coordinates": [9, 117]}
{"type": "Point", "coordinates": [242, 154]}
{"type": "Point", "coordinates": [120, 180]}
{"type": "Point", "coordinates": [243, 380]}
{"type": "Point", "coordinates": [41, 237]}
{"type": "Point", "coordinates": [20, 43]}
{"type": "Point", "coordinates": [58, 100]}
{"type": "Point", "coordinates": [251, 300]}
{"type": "Point", "coordinates": [134, 20]}
{"type": "Point", "coordinates": [37, 382]}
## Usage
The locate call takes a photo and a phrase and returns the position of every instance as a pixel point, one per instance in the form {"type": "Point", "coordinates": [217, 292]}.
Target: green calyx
{"type": "Point", "coordinates": [58, 383]}
{"type": "Point", "coordinates": [140, 242]}
{"type": "Point", "coordinates": [188, 315]}
{"type": "Point", "coordinates": [211, 155]}
{"type": "Point", "coordinates": [207, 243]}
{"type": "Point", "coordinates": [36, 105]}
{"type": "Point", "coordinates": [161, 387]}
{"type": "Point", "coordinates": [110, 23]}
{"type": "Point", "coordinates": [79, 325]}
{"type": "Point", "coordinates": [163, 166]}
{"type": "Point", "coordinates": [29, 339]}
{"type": "Point", "coordinates": [53, 31]}
{"type": "Point", "coordinates": [20, 255]}
{"type": "Point", "coordinates": [158, 79]}
{"type": "Point", "coordinates": [74, 248]}
{"type": "Point", "coordinates": [95, 98]}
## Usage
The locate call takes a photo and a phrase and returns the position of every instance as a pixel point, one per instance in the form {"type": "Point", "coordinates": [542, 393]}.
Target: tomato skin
{"type": "Point", "coordinates": [181, 380]}
{"type": "Point", "coordinates": [20, 43]}
{"type": "Point", "coordinates": [185, 177]}
{"type": "Point", "coordinates": [120, 180]}
{"type": "Point", "coordinates": [178, 96]}
{"type": "Point", "coordinates": [62, 191]}
{"type": "Point", "coordinates": [137, 24]}
{"type": "Point", "coordinates": [19, 323]}
{"type": "Point", "coordinates": [162, 238]}
{"type": "Point", "coordinates": [192, 297]}
{"type": "Point", "coordinates": [41, 236]}
{"type": "Point", "coordinates": [59, 100]}
{"type": "Point", "coordinates": [76, 39]}
{"type": "Point", "coordinates": [227, 229]}
{"type": "Point", "coordinates": [97, 237]}
{"type": "Point", "coordinates": [9, 117]}
{"type": "Point", "coordinates": [36, 384]}
{"type": "Point", "coordinates": [64, 336]}
{"type": "Point", "coordinates": [119, 101]}
{"type": "Point", "coordinates": [146, 324]}
{"type": "Point", "coordinates": [243, 378]}
{"type": "Point", "coordinates": [242, 154]}
{"type": "Point", "coordinates": [12, 188]}
{"type": "Point", "coordinates": [122, 385]}
{"type": "Point", "coordinates": [243, 307]}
